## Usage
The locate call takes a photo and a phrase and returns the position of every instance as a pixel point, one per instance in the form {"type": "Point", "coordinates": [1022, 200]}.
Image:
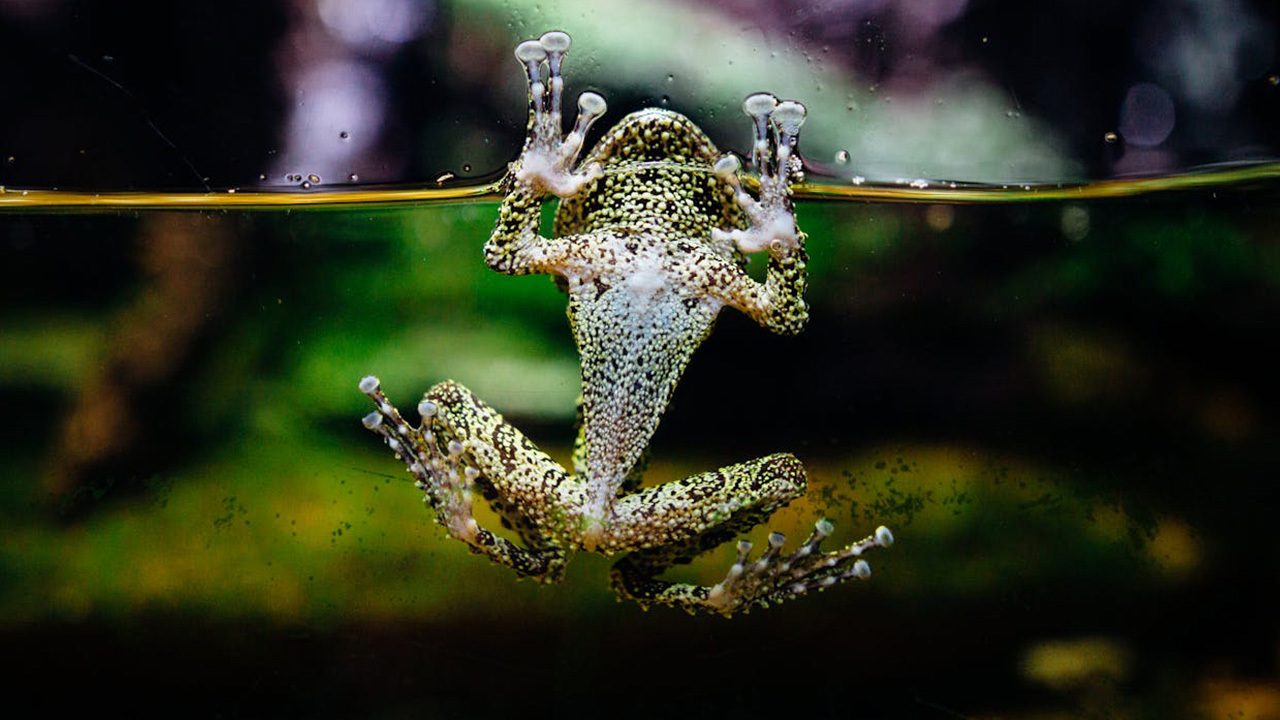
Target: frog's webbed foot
{"type": "Point", "coordinates": [447, 480]}
{"type": "Point", "coordinates": [772, 224]}
{"type": "Point", "coordinates": [673, 523]}
{"type": "Point", "coordinates": [775, 577]}
{"type": "Point", "coordinates": [548, 160]}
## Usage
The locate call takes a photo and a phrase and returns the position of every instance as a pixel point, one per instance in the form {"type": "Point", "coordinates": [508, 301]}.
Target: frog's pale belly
{"type": "Point", "coordinates": [641, 339]}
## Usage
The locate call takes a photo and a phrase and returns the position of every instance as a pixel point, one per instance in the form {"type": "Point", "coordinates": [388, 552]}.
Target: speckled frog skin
{"type": "Point", "coordinates": [649, 244]}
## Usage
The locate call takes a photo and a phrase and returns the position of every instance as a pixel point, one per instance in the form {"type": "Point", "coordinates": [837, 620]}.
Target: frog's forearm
{"type": "Point", "coordinates": [778, 303]}
{"type": "Point", "coordinates": [515, 248]}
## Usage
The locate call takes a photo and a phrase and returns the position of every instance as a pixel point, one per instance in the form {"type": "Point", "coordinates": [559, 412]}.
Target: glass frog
{"type": "Point", "coordinates": [649, 243]}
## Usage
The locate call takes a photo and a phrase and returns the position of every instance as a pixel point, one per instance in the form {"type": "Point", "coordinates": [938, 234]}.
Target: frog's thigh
{"type": "Point", "coordinates": [508, 460]}
{"type": "Point", "coordinates": [687, 517]}
{"type": "Point", "coordinates": [681, 520]}
{"type": "Point", "coordinates": [527, 481]}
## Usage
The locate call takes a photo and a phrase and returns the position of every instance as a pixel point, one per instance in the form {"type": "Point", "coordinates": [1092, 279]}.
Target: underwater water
{"type": "Point", "coordinates": [1044, 287]}
{"type": "Point", "coordinates": [1064, 410]}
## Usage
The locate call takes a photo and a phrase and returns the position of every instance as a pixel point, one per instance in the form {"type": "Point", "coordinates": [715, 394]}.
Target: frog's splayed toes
{"type": "Point", "coordinates": [774, 577]}
{"type": "Point", "coordinates": [649, 243]}
{"type": "Point", "coordinates": [547, 160]}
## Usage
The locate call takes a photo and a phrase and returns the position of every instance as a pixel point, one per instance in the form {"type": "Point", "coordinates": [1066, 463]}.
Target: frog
{"type": "Point", "coordinates": [650, 241]}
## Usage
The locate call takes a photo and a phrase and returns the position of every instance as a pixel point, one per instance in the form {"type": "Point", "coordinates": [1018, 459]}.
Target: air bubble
{"type": "Point", "coordinates": [1111, 138]}
{"type": "Point", "coordinates": [466, 167]}
{"type": "Point", "coordinates": [353, 177]}
{"type": "Point", "coordinates": [306, 185]}
{"type": "Point", "coordinates": [344, 134]}
{"type": "Point", "coordinates": [842, 157]}
{"type": "Point", "coordinates": [313, 178]}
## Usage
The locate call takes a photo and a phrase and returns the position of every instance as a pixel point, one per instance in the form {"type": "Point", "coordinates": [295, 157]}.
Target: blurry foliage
{"type": "Point", "coordinates": [285, 507]}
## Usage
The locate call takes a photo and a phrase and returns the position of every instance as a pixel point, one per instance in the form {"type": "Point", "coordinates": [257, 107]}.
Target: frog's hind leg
{"type": "Point", "coordinates": [462, 445]}
{"type": "Point", "coordinates": [678, 521]}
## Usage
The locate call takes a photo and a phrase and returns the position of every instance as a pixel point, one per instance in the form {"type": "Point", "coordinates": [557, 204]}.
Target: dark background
{"type": "Point", "coordinates": [1065, 410]}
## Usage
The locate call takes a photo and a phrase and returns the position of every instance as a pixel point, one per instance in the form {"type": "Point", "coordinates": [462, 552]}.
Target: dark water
{"type": "Point", "coordinates": [1063, 410]}
{"type": "Point", "coordinates": [1054, 382]}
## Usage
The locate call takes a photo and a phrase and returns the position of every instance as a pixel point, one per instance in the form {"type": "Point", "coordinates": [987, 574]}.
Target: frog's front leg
{"type": "Point", "coordinates": [545, 166]}
{"type": "Point", "coordinates": [463, 445]}
{"type": "Point", "coordinates": [778, 303]}
{"type": "Point", "coordinates": [675, 522]}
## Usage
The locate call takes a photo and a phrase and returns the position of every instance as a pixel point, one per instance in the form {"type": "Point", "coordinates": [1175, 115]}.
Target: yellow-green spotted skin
{"type": "Point", "coordinates": [649, 245]}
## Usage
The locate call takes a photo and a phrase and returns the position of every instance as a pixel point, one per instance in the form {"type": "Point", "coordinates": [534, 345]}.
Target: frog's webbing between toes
{"type": "Point", "coordinates": [447, 480]}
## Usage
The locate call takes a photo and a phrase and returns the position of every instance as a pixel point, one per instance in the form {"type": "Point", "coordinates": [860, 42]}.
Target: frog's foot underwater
{"type": "Point", "coordinates": [775, 577]}
{"type": "Point", "coordinates": [447, 476]}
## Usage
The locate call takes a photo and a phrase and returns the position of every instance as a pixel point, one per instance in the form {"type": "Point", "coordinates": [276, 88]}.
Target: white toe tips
{"type": "Point", "coordinates": [861, 570]}
{"type": "Point", "coordinates": [427, 409]}
{"type": "Point", "coordinates": [530, 51]}
{"type": "Point", "coordinates": [776, 540]}
{"type": "Point", "coordinates": [884, 538]}
{"type": "Point", "coordinates": [372, 421]}
{"type": "Point", "coordinates": [369, 384]}
{"type": "Point", "coordinates": [591, 104]}
{"type": "Point", "coordinates": [759, 104]}
{"type": "Point", "coordinates": [727, 166]}
{"type": "Point", "coordinates": [823, 528]}
{"type": "Point", "coordinates": [789, 116]}
{"type": "Point", "coordinates": [555, 41]}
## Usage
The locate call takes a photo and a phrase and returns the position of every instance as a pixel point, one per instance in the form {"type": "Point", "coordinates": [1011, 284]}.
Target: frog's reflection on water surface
{"type": "Point", "coordinates": [649, 243]}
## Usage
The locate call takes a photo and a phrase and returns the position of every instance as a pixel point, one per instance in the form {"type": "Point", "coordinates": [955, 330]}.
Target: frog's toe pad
{"type": "Point", "coordinates": [775, 577]}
